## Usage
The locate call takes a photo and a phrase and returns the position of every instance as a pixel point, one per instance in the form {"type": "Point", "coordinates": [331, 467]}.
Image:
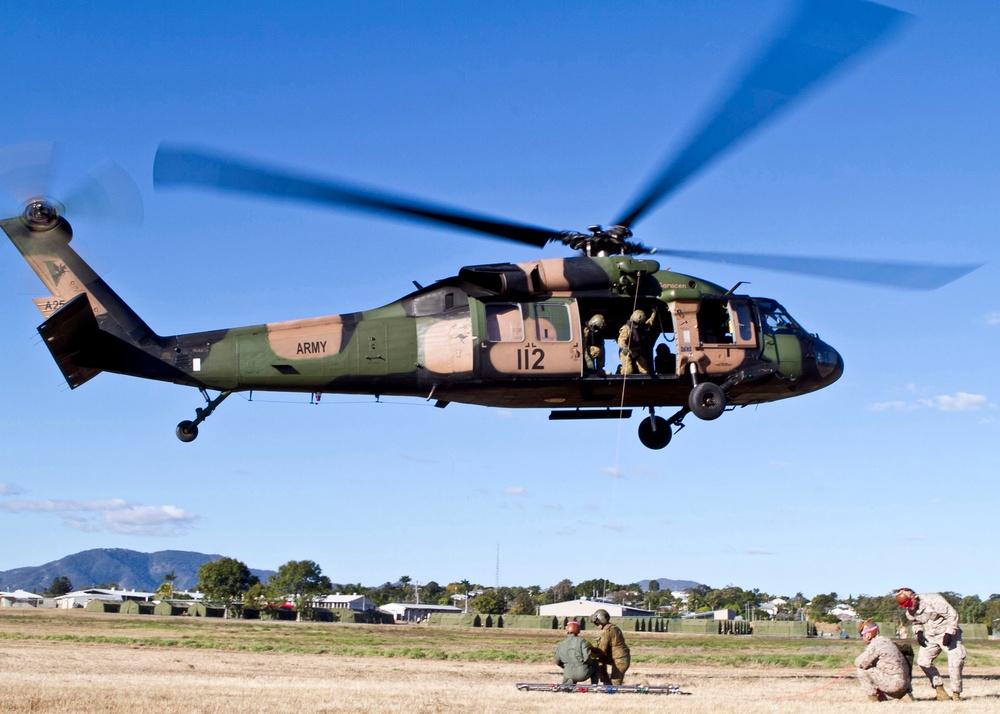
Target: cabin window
{"type": "Point", "coordinates": [552, 322]}
{"type": "Point", "coordinates": [740, 316]}
{"type": "Point", "coordinates": [504, 323]}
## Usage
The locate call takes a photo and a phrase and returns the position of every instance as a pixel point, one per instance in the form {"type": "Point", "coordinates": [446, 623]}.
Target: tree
{"type": "Point", "coordinates": [166, 589]}
{"type": "Point", "coordinates": [696, 598]}
{"type": "Point", "coordinates": [653, 587]}
{"type": "Point", "coordinates": [524, 604]}
{"type": "Point", "coordinates": [971, 609]}
{"type": "Point", "coordinates": [466, 585]}
{"type": "Point", "coordinates": [489, 604]}
{"type": "Point", "coordinates": [560, 592]}
{"type": "Point", "coordinates": [879, 609]}
{"type": "Point", "coordinates": [432, 591]}
{"type": "Point", "coordinates": [60, 586]}
{"type": "Point", "coordinates": [303, 580]}
{"type": "Point", "coordinates": [225, 580]}
{"type": "Point", "coordinates": [819, 605]}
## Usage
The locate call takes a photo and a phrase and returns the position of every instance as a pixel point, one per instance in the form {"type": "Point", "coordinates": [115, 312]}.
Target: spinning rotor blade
{"type": "Point", "coordinates": [898, 274]}
{"type": "Point", "coordinates": [106, 193]}
{"type": "Point", "coordinates": [822, 37]}
{"type": "Point", "coordinates": [26, 171]}
{"type": "Point", "coordinates": [175, 165]}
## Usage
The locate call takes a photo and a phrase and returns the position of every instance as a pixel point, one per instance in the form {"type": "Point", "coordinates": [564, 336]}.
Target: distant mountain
{"type": "Point", "coordinates": [667, 584]}
{"type": "Point", "coordinates": [128, 568]}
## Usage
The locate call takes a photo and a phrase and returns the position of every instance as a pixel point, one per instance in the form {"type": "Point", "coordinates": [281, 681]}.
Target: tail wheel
{"type": "Point", "coordinates": [707, 401]}
{"type": "Point", "coordinates": [187, 431]}
{"type": "Point", "coordinates": [654, 432]}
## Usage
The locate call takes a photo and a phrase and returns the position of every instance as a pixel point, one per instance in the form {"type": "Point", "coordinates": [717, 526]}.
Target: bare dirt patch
{"type": "Point", "coordinates": [88, 673]}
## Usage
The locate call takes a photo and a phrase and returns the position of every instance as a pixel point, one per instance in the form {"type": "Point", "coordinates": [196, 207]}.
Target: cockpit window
{"type": "Point", "coordinates": [774, 318]}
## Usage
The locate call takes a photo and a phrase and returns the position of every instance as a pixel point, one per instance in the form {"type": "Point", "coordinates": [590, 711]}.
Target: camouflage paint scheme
{"type": "Point", "coordinates": [494, 335]}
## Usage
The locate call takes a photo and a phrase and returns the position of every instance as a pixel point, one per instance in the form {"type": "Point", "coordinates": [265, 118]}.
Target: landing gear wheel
{"type": "Point", "coordinates": [654, 438]}
{"type": "Point", "coordinates": [187, 431]}
{"type": "Point", "coordinates": [707, 401]}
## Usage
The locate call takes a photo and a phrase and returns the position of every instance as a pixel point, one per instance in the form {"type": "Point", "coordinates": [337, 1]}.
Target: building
{"type": "Point", "coordinates": [712, 615]}
{"type": "Point", "coordinates": [21, 598]}
{"type": "Point", "coordinates": [843, 611]}
{"type": "Point", "coordinates": [358, 603]}
{"type": "Point", "coordinates": [586, 607]}
{"type": "Point", "coordinates": [414, 612]}
{"type": "Point", "coordinates": [80, 598]}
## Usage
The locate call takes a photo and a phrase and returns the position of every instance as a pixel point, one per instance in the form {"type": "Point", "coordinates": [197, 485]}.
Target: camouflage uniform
{"type": "Point", "coordinates": [573, 655]}
{"type": "Point", "coordinates": [882, 667]}
{"type": "Point", "coordinates": [593, 349]}
{"type": "Point", "coordinates": [633, 346]}
{"type": "Point", "coordinates": [935, 617]}
{"type": "Point", "coordinates": [612, 650]}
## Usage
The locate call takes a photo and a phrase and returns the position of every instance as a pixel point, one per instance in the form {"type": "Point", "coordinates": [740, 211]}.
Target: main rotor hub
{"type": "Point", "coordinates": [41, 214]}
{"type": "Point", "coordinates": [613, 240]}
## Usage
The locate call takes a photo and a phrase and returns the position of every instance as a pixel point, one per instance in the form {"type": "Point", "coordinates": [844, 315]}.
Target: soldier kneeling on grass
{"type": "Point", "coordinates": [883, 670]}
{"type": "Point", "coordinates": [573, 656]}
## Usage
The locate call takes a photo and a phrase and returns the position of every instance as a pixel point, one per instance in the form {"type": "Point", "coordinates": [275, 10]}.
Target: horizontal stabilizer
{"type": "Point", "coordinates": [70, 331]}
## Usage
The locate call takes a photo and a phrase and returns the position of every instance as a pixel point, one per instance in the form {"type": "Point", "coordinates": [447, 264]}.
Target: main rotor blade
{"type": "Point", "coordinates": [899, 274]}
{"type": "Point", "coordinates": [822, 36]}
{"type": "Point", "coordinates": [176, 165]}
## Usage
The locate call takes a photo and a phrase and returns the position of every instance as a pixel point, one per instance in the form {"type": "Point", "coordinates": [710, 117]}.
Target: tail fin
{"type": "Point", "coordinates": [82, 312]}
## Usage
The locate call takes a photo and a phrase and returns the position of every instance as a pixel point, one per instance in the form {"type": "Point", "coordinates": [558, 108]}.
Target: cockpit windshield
{"type": "Point", "coordinates": [774, 318]}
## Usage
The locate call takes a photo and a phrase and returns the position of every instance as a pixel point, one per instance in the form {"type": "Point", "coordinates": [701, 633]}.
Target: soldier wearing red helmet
{"type": "Point", "coordinates": [935, 625]}
{"type": "Point", "coordinates": [573, 657]}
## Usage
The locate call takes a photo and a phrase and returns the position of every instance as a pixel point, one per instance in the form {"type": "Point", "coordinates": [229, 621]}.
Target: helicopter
{"type": "Point", "coordinates": [501, 334]}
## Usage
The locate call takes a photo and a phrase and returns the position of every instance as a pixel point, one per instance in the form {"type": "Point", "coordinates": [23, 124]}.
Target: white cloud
{"type": "Point", "coordinates": [758, 551]}
{"type": "Point", "coordinates": [613, 472]}
{"type": "Point", "coordinates": [958, 402]}
{"type": "Point", "coordinates": [514, 490]}
{"type": "Point", "coordinates": [895, 405]}
{"type": "Point", "coordinates": [993, 319]}
{"type": "Point", "coordinates": [111, 516]}
{"type": "Point", "coordinates": [10, 489]}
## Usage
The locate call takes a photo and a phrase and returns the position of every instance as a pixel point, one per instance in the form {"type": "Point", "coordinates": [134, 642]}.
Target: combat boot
{"type": "Point", "coordinates": [908, 697]}
{"type": "Point", "coordinates": [956, 697]}
{"type": "Point", "coordinates": [942, 695]}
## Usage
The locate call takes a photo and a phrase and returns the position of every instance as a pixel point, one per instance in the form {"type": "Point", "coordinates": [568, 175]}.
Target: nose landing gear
{"type": "Point", "coordinates": [187, 431]}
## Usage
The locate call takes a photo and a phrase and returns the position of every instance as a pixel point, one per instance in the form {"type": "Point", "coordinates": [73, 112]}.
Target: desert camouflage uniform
{"type": "Point", "coordinates": [633, 346]}
{"type": "Point", "coordinates": [935, 617]}
{"type": "Point", "coordinates": [593, 349]}
{"type": "Point", "coordinates": [883, 667]}
{"type": "Point", "coordinates": [573, 655]}
{"type": "Point", "coordinates": [612, 650]}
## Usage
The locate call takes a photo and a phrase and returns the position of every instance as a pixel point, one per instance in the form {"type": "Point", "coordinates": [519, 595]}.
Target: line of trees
{"type": "Point", "coordinates": [229, 582]}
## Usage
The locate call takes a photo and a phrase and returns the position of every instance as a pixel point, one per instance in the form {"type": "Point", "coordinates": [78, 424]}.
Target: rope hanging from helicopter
{"type": "Point", "coordinates": [621, 419]}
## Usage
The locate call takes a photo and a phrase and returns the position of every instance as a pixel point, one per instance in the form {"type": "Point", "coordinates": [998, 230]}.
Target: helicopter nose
{"type": "Point", "coordinates": [829, 363]}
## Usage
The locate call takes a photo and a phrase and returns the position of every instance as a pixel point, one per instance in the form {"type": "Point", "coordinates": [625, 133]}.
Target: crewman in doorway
{"type": "Point", "coordinates": [634, 343]}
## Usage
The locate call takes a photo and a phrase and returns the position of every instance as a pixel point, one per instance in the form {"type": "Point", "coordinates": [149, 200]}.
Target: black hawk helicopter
{"type": "Point", "coordinates": [525, 335]}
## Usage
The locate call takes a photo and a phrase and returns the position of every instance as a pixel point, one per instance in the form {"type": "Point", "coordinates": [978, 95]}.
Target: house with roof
{"type": "Point", "coordinates": [414, 612]}
{"type": "Point", "coordinates": [585, 607]}
{"type": "Point", "coordinates": [358, 603]}
{"type": "Point", "coordinates": [21, 598]}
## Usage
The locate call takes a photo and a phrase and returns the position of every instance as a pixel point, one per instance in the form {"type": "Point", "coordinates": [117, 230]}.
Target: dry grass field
{"type": "Point", "coordinates": [83, 662]}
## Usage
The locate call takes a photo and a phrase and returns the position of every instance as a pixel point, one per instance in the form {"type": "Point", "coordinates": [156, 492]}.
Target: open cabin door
{"type": "Point", "coordinates": [528, 339]}
{"type": "Point", "coordinates": [716, 334]}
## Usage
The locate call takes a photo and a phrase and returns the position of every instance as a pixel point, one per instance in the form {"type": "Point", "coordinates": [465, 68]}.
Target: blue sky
{"type": "Point", "coordinates": [554, 114]}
